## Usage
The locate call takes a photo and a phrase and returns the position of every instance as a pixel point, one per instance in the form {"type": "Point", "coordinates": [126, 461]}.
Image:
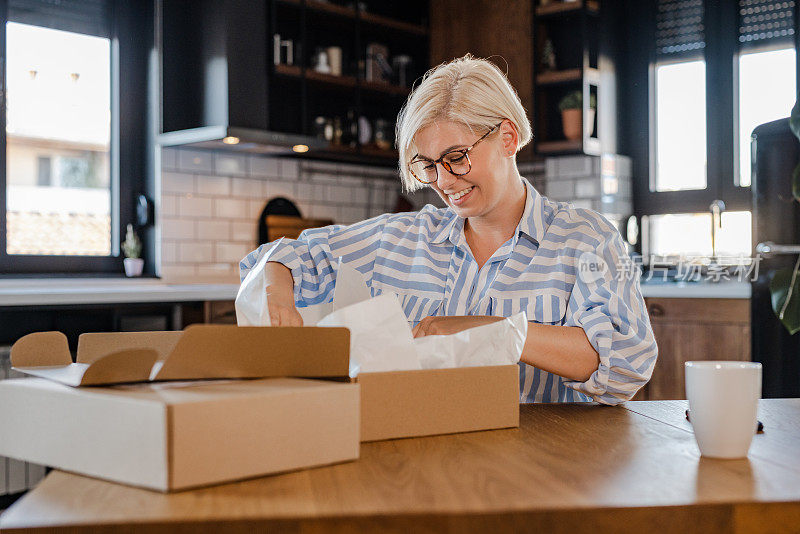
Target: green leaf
{"type": "Point", "coordinates": [794, 119]}
{"type": "Point", "coordinates": [779, 288]}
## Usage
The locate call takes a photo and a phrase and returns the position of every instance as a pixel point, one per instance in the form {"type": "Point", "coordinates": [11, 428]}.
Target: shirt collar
{"type": "Point", "coordinates": [535, 219]}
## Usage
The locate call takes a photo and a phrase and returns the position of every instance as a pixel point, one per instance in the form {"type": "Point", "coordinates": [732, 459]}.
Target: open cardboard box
{"type": "Point", "coordinates": [172, 435]}
{"type": "Point", "coordinates": [205, 432]}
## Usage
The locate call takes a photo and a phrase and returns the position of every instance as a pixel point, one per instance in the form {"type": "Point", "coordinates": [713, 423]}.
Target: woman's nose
{"type": "Point", "coordinates": [443, 178]}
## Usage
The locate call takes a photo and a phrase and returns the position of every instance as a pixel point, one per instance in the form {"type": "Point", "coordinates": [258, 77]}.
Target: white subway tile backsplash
{"type": "Point", "coordinates": [169, 251]}
{"type": "Point", "coordinates": [279, 189]}
{"type": "Point", "coordinates": [351, 214]}
{"type": "Point", "coordinates": [244, 231]}
{"type": "Point", "coordinates": [290, 169]}
{"type": "Point", "coordinates": [169, 158]}
{"type": "Point", "coordinates": [175, 182]}
{"type": "Point", "coordinates": [228, 270]}
{"type": "Point", "coordinates": [169, 205]}
{"type": "Point", "coordinates": [575, 166]}
{"type": "Point", "coordinates": [213, 185]}
{"type": "Point", "coordinates": [323, 211]}
{"type": "Point", "coordinates": [247, 187]}
{"type": "Point", "coordinates": [210, 206]}
{"type": "Point", "coordinates": [230, 208]}
{"type": "Point", "coordinates": [304, 191]}
{"type": "Point", "coordinates": [195, 252]}
{"type": "Point", "coordinates": [232, 252]}
{"type": "Point", "coordinates": [177, 229]}
{"type": "Point", "coordinates": [361, 195]}
{"type": "Point", "coordinates": [193, 206]}
{"type": "Point", "coordinates": [587, 187]}
{"type": "Point", "coordinates": [35, 475]}
{"type": "Point", "coordinates": [178, 273]}
{"type": "Point", "coordinates": [230, 163]}
{"type": "Point", "coordinates": [265, 166]}
{"type": "Point", "coordinates": [17, 478]}
{"type": "Point", "coordinates": [254, 208]}
{"type": "Point", "coordinates": [3, 469]}
{"type": "Point", "coordinates": [214, 229]}
{"type": "Point", "coordinates": [340, 194]}
{"type": "Point", "coordinates": [551, 168]}
{"type": "Point", "coordinates": [583, 203]}
{"type": "Point", "coordinates": [561, 189]}
{"type": "Point", "coordinates": [320, 193]}
{"type": "Point", "coordinates": [196, 160]}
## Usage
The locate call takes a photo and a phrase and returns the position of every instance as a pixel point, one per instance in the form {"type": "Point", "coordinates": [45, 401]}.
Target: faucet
{"type": "Point", "coordinates": [716, 208]}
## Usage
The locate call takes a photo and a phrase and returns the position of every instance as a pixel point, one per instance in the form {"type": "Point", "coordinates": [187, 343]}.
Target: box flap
{"type": "Point", "coordinates": [120, 367]}
{"type": "Point", "coordinates": [199, 352]}
{"type": "Point", "coordinates": [229, 351]}
{"type": "Point", "coordinates": [41, 348]}
{"type": "Point", "coordinates": [95, 345]}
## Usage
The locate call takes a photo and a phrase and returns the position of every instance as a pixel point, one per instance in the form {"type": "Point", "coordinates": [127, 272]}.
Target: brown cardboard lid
{"type": "Point", "coordinates": [199, 352]}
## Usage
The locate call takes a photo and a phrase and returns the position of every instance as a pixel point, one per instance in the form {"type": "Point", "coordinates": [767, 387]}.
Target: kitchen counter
{"type": "Point", "coordinates": [697, 290]}
{"type": "Point", "coordinates": [70, 291]}
{"type": "Point", "coordinates": [567, 468]}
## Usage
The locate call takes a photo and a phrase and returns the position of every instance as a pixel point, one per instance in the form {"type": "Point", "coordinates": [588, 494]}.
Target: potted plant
{"type": "Point", "coordinates": [571, 107]}
{"type": "Point", "coordinates": [132, 248]}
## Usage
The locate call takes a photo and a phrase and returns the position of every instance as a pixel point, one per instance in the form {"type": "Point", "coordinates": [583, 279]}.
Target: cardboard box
{"type": "Point", "coordinates": [181, 434]}
{"type": "Point", "coordinates": [178, 435]}
{"type": "Point", "coordinates": [396, 404]}
{"type": "Point", "coordinates": [403, 404]}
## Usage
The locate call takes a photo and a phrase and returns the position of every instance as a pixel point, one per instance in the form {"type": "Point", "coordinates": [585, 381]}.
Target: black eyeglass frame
{"type": "Point", "coordinates": [448, 168]}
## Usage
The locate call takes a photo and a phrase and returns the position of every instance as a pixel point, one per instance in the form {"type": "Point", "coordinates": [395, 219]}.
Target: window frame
{"type": "Point", "coordinates": [132, 163]}
{"type": "Point", "coordinates": [721, 29]}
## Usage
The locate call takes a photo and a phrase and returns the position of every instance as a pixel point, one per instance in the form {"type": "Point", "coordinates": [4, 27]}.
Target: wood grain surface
{"type": "Point", "coordinates": [567, 468]}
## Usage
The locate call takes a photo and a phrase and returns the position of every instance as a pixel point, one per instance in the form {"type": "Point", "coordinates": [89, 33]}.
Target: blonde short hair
{"type": "Point", "coordinates": [467, 90]}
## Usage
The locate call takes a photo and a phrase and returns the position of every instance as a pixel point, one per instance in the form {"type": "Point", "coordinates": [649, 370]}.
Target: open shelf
{"type": "Point", "coordinates": [560, 8]}
{"type": "Point", "coordinates": [555, 77]}
{"type": "Point", "coordinates": [365, 16]}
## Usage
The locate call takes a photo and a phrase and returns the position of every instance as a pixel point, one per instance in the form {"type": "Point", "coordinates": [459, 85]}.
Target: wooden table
{"type": "Point", "coordinates": [568, 468]}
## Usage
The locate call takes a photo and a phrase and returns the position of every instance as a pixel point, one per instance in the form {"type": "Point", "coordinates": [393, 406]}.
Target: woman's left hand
{"type": "Point", "coordinates": [442, 326]}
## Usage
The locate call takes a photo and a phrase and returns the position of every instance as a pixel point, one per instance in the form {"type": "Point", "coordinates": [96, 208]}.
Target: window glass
{"type": "Point", "coordinates": [58, 117]}
{"type": "Point", "coordinates": [680, 94]}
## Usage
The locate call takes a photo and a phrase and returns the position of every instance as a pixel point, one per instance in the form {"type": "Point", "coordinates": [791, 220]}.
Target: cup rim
{"type": "Point", "coordinates": [722, 364]}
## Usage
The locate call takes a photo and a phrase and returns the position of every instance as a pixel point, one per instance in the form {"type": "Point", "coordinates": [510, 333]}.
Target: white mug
{"type": "Point", "coordinates": [723, 405]}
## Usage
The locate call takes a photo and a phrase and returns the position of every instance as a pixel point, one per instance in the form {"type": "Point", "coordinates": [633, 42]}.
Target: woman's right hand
{"type": "Point", "coordinates": [282, 311]}
{"type": "Point", "coordinates": [280, 296]}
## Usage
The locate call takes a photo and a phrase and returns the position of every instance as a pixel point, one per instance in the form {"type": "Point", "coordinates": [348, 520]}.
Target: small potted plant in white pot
{"type": "Point", "coordinates": [132, 248]}
{"type": "Point", "coordinates": [571, 107]}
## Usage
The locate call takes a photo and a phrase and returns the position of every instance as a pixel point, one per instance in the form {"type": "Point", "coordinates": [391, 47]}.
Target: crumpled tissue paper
{"type": "Point", "coordinates": [380, 335]}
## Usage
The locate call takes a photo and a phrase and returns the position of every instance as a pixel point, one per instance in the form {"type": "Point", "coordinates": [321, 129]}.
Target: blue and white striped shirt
{"type": "Point", "coordinates": [423, 257]}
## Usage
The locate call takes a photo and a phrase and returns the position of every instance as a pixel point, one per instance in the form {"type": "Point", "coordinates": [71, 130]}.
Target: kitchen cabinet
{"type": "Point", "coordinates": [689, 329]}
{"type": "Point", "coordinates": [220, 312]}
{"type": "Point", "coordinates": [246, 75]}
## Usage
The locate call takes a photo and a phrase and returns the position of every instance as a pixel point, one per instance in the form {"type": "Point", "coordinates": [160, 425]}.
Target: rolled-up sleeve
{"type": "Point", "coordinates": [311, 256]}
{"type": "Point", "coordinates": [609, 307]}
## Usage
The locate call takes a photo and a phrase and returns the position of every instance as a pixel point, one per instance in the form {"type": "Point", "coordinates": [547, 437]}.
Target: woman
{"type": "Point", "coordinates": [498, 248]}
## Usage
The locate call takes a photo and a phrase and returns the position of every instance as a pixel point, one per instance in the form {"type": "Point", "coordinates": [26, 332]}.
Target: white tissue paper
{"type": "Point", "coordinates": [380, 338]}
{"type": "Point", "coordinates": [498, 343]}
{"type": "Point", "coordinates": [380, 335]}
{"type": "Point", "coordinates": [251, 300]}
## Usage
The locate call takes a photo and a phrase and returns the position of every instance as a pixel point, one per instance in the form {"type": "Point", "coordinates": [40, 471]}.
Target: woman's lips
{"type": "Point", "coordinates": [460, 200]}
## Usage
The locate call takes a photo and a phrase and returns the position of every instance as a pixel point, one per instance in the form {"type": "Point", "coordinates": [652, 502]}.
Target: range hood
{"type": "Point", "coordinates": [242, 140]}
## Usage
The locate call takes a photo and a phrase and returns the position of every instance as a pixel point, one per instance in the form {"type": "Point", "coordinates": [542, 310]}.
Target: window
{"type": "Point", "coordinates": [715, 72]}
{"type": "Point", "coordinates": [58, 109]}
{"type": "Point", "coordinates": [75, 154]}
{"type": "Point", "coordinates": [681, 126]}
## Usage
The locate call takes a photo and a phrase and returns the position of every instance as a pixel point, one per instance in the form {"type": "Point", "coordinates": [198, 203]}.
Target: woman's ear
{"type": "Point", "coordinates": [509, 137]}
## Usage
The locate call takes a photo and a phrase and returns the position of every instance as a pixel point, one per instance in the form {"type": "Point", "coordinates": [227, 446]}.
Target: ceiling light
{"type": "Point", "coordinates": [230, 140]}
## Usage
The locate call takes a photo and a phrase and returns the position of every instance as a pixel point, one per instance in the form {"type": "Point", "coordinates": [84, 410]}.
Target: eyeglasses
{"type": "Point", "coordinates": [456, 162]}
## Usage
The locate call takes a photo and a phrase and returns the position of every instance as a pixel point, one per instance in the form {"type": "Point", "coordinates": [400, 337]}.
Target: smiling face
{"type": "Point", "coordinates": [488, 186]}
